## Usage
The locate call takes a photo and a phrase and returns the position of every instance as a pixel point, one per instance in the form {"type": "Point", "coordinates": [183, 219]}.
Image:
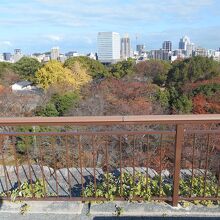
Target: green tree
{"type": "Point", "coordinates": [58, 105]}
{"type": "Point", "coordinates": [179, 103]}
{"type": "Point", "coordinates": [192, 70]}
{"type": "Point", "coordinates": [93, 67]}
{"type": "Point", "coordinates": [65, 102]}
{"type": "Point", "coordinates": [8, 76]}
{"type": "Point", "coordinates": [4, 67]}
{"type": "Point", "coordinates": [155, 70]}
{"type": "Point", "coordinates": [123, 68]}
{"type": "Point", "coordinates": [49, 110]}
{"type": "Point", "coordinates": [163, 97]}
{"type": "Point", "coordinates": [207, 90]}
{"type": "Point", "coordinates": [183, 104]}
{"type": "Point", "coordinates": [27, 67]}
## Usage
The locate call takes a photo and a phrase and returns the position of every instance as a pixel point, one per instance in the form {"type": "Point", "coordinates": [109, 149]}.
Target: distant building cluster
{"type": "Point", "coordinates": [112, 48]}
{"type": "Point", "coordinates": [12, 58]}
{"type": "Point", "coordinates": [54, 54]}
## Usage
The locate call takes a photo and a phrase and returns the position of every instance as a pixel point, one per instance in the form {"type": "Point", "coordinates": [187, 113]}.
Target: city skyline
{"type": "Point", "coordinates": [38, 25]}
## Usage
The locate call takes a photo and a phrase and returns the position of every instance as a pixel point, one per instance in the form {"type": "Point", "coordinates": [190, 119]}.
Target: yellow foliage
{"type": "Point", "coordinates": [80, 74]}
{"type": "Point", "coordinates": [54, 74]}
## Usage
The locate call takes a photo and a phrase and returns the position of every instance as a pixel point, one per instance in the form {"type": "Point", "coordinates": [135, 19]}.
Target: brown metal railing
{"type": "Point", "coordinates": [71, 155]}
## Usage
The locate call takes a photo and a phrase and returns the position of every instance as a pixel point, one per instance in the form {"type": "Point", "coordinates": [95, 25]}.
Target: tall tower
{"type": "Point", "coordinates": [55, 53]}
{"type": "Point", "coordinates": [140, 48]}
{"type": "Point", "coordinates": [125, 47]}
{"type": "Point", "coordinates": [17, 55]}
{"type": "Point", "coordinates": [186, 46]}
{"type": "Point", "coordinates": [184, 42]}
{"type": "Point", "coordinates": [108, 47]}
{"type": "Point", "coordinates": [167, 45]}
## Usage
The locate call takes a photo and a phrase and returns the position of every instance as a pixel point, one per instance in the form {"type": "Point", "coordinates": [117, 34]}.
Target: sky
{"type": "Point", "coordinates": [38, 25]}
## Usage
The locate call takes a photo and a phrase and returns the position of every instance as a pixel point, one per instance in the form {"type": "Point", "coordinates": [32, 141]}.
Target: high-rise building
{"type": "Point", "coordinates": [186, 46]}
{"type": "Point", "coordinates": [17, 55]}
{"type": "Point", "coordinates": [184, 41]}
{"type": "Point", "coordinates": [217, 56]}
{"type": "Point", "coordinates": [62, 58]}
{"type": "Point", "coordinates": [55, 53]}
{"type": "Point", "coordinates": [167, 45]}
{"type": "Point", "coordinates": [160, 54]}
{"type": "Point", "coordinates": [108, 47]}
{"type": "Point", "coordinates": [7, 56]}
{"type": "Point", "coordinates": [166, 54]}
{"type": "Point", "coordinates": [189, 49]}
{"type": "Point", "coordinates": [125, 47]}
{"type": "Point", "coordinates": [140, 49]}
{"type": "Point", "coordinates": [210, 53]}
{"type": "Point", "coordinates": [179, 53]}
{"type": "Point", "coordinates": [1, 57]}
{"type": "Point", "coordinates": [156, 54]}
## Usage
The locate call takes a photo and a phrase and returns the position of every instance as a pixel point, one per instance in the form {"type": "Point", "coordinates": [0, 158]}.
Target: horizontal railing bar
{"type": "Point", "coordinates": [109, 120]}
{"type": "Point", "coordinates": [88, 199]}
{"type": "Point", "coordinates": [106, 133]}
{"type": "Point", "coordinates": [200, 198]}
{"type": "Point", "coordinates": [66, 198]}
{"type": "Point", "coordinates": [202, 131]}
{"type": "Point", "coordinates": [82, 199]}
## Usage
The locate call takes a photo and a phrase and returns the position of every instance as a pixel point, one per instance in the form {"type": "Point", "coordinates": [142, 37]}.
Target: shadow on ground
{"type": "Point", "coordinates": [1, 202]}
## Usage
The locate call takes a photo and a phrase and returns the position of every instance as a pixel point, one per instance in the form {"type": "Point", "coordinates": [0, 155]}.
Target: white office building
{"type": "Point", "coordinates": [108, 47]}
{"type": "Point", "coordinates": [55, 53]}
{"type": "Point", "coordinates": [186, 46]}
{"type": "Point", "coordinates": [17, 55]}
{"type": "Point", "coordinates": [201, 52]}
{"type": "Point", "coordinates": [216, 56]}
{"type": "Point", "coordinates": [1, 57]}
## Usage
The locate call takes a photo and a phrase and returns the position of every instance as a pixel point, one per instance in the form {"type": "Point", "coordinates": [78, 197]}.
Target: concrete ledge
{"type": "Point", "coordinates": [47, 207]}
{"type": "Point", "coordinates": [154, 209]}
{"type": "Point", "coordinates": [79, 211]}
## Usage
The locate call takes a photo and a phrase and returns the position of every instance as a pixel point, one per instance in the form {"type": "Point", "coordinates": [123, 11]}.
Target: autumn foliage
{"type": "Point", "coordinates": [53, 73]}
{"type": "Point", "coordinates": [118, 97]}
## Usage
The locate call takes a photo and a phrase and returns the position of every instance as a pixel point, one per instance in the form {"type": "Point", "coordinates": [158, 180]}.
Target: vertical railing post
{"type": "Point", "coordinates": [177, 165]}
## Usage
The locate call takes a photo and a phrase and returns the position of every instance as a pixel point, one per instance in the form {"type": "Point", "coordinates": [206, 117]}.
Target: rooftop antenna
{"type": "Point", "coordinates": [137, 39]}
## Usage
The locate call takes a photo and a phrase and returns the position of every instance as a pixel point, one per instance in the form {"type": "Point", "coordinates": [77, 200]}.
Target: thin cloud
{"type": "Point", "coordinates": [46, 21]}
{"type": "Point", "coordinates": [72, 13]}
{"type": "Point", "coordinates": [6, 43]}
{"type": "Point", "coordinates": [55, 38]}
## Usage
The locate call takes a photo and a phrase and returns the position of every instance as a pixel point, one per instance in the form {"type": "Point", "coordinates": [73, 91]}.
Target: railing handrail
{"type": "Point", "coordinates": [108, 120]}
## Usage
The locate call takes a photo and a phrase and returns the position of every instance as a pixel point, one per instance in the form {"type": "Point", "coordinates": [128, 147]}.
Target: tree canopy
{"type": "Point", "coordinates": [122, 69]}
{"type": "Point", "coordinates": [54, 74]}
{"type": "Point", "coordinates": [155, 70]}
{"type": "Point", "coordinates": [93, 67]}
{"type": "Point", "coordinates": [192, 70]}
{"type": "Point", "coordinates": [26, 67]}
{"type": "Point", "coordinates": [58, 105]}
{"type": "Point", "coordinates": [8, 75]}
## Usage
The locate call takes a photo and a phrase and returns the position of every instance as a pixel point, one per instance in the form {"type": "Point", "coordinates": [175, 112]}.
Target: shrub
{"type": "Point", "coordinates": [109, 187]}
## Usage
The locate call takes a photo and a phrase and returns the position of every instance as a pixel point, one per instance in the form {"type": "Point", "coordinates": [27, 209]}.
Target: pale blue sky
{"type": "Point", "coordinates": [38, 25]}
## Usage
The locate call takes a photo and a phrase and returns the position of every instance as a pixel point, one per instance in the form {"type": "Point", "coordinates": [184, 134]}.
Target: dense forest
{"type": "Point", "coordinates": [82, 86]}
